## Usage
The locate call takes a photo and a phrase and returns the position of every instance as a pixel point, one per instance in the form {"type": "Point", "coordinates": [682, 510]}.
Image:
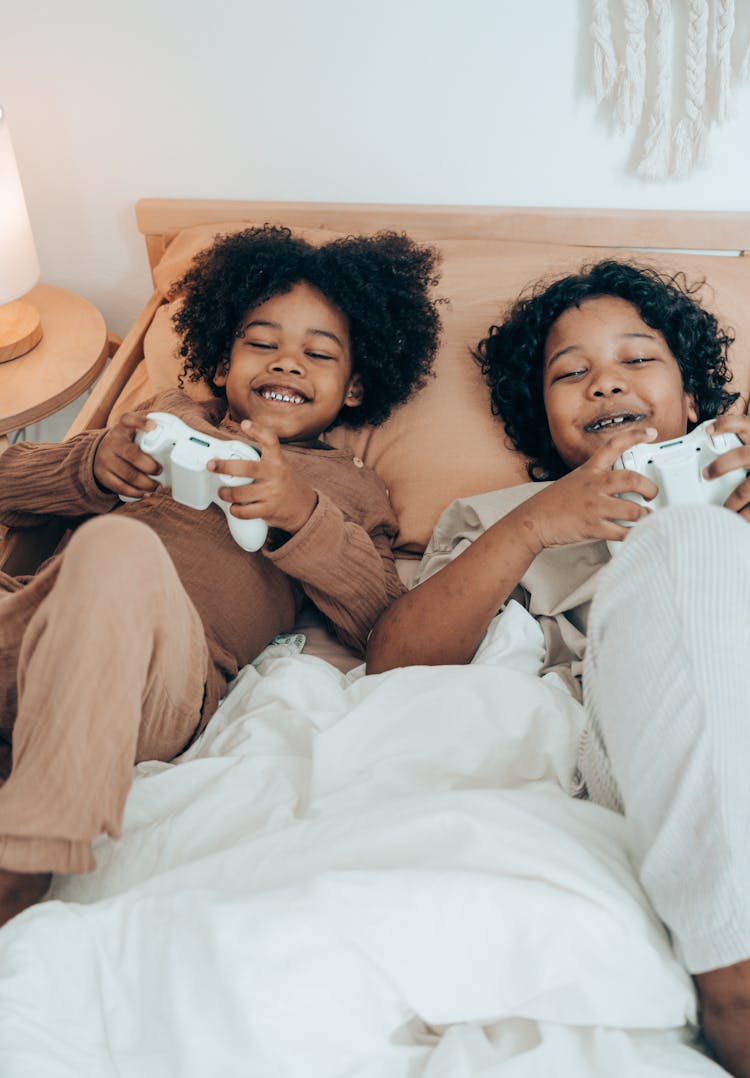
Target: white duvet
{"type": "Point", "coordinates": [378, 877]}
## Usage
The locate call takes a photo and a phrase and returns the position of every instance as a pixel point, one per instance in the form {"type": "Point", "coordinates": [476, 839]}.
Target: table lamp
{"type": "Point", "coordinates": [20, 324]}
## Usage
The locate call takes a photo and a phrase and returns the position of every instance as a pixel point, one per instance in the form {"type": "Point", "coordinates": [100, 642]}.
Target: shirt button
{"type": "Point", "coordinates": [357, 462]}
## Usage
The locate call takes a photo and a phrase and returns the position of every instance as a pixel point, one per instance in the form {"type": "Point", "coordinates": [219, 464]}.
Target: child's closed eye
{"type": "Point", "coordinates": [270, 346]}
{"type": "Point", "coordinates": [569, 375]}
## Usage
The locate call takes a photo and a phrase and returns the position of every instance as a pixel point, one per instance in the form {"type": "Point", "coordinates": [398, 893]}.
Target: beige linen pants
{"type": "Point", "coordinates": [667, 696]}
{"type": "Point", "coordinates": [103, 662]}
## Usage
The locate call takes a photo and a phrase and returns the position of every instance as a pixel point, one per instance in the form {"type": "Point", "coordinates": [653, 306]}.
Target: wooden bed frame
{"type": "Point", "coordinates": [159, 220]}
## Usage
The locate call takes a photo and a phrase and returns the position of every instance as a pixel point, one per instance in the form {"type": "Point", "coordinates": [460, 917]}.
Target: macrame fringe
{"type": "Point", "coordinates": [655, 163]}
{"type": "Point", "coordinates": [745, 66]}
{"type": "Point", "coordinates": [605, 61]}
{"type": "Point", "coordinates": [691, 131]}
{"type": "Point", "coordinates": [670, 148]}
{"type": "Point", "coordinates": [689, 146]}
{"type": "Point", "coordinates": [724, 28]}
{"type": "Point", "coordinates": [632, 84]}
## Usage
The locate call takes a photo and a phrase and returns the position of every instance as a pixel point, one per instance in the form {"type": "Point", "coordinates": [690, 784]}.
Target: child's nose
{"type": "Point", "coordinates": [606, 390]}
{"type": "Point", "coordinates": [290, 362]}
{"type": "Point", "coordinates": [607, 383]}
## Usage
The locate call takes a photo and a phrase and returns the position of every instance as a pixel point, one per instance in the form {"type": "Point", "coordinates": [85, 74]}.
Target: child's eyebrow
{"type": "Point", "coordinates": [277, 325]}
{"type": "Point", "coordinates": [563, 352]}
{"type": "Point", "coordinates": [327, 333]}
{"type": "Point", "coordinates": [580, 347]}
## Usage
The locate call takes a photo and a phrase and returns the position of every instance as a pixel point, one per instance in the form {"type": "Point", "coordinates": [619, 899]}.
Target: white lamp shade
{"type": "Point", "coordinates": [19, 265]}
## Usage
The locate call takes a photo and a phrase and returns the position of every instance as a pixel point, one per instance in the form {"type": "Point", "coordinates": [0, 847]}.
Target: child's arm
{"type": "Point", "coordinates": [39, 481]}
{"type": "Point", "coordinates": [444, 619]}
{"type": "Point", "coordinates": [75, 478]}
{"type": "Point", "coordinates": [345, 568]}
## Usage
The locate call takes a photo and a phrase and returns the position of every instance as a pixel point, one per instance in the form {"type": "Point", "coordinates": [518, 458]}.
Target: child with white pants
{"type": "Point", "coordinates": [581, 370]}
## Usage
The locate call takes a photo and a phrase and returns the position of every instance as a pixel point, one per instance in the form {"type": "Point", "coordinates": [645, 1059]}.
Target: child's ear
{"type": "Point", "coordinates": [354, 393]}
{"type": "Point", "coordinates": [692, 409]}
{"type": "Point", "coordinates": [220, 374]}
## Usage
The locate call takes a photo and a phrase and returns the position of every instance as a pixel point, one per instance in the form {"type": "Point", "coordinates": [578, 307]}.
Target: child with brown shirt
{"type": "Point", "coordinates": [121, 646]}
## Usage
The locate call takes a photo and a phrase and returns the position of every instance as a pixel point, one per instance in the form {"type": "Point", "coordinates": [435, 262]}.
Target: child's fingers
{"type": "Point", "coordinates": [727, 462]}
{"type": "Point", "coordinates": [146, 466]}
{"type": "Point", "coordinates": [732, 424]}
{"type": "Point", "coordinates": [739, 500]}
{"type": "Point", "coordinates": [263, 437]}
{"type": "Point", "coordinates": [245, 469]}
{"type": "Point", "coordinates": [605, 457]}
{"type": "Point", "coordinates": [125, 457]}
{"type": "Point", "coordinates": [124, 448]}
{"type": "Point", "coordinates": [248, 511]}
{"type": "Point", "coordinates": [617, 532]}
{"type": "Point", "coordinates": [136, 468]}
{"type": "Point", "coordinates": [244, 497]}
{"type": "Point", "coordinates": [245, 493]}
{"type": "Point", "coordinates": [623, 481]}
{"type": "Point", "coordinates": [120, 478]}
{"type": "Point", "coordinates": [135, 421]}
{"type": "Point", "coordinates": [625, 509]}
{"type": "Point", "coordinates": [119, 462]}
{"type": "Point", "coordinates": [267, 445]}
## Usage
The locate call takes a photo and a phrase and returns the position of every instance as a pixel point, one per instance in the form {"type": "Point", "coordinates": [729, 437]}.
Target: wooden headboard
{"type": "Point", "coordinates": [160, 219]}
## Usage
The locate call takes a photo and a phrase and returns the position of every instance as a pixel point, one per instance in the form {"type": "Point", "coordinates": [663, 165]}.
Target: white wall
{"type": "Point", "coordinates": [466, 101]}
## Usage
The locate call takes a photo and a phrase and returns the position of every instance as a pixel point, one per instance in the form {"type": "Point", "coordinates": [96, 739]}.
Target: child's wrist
{"type": "Point", "coordinates": [306, 510]}
{"type": "Point", "coordinates": [527, 531]}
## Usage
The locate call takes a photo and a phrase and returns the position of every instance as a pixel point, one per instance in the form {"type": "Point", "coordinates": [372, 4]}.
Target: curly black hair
{"type": "Point", "coordinates": [381, 284]}
{"type": "Point", "coordinates": [511, 356]}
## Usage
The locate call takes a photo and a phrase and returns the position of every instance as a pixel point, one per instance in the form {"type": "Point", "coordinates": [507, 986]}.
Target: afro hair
{"type": "Point", "coordinates": [381, 283]}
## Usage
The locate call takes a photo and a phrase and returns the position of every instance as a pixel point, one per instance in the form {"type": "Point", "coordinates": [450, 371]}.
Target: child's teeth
{"type": "Point", "coordinates": [273, 396]}
{"type": "Point", "coordinates": [611, 422]}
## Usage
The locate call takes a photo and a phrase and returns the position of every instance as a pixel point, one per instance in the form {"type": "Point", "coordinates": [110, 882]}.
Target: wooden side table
{"type": "Point", "coordinates": [71, 354]}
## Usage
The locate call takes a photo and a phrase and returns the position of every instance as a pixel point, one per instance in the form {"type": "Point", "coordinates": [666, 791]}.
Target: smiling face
{"type": "Point", "coordinates": [605, 369]}
{"type": "Point", "coordinates": [291, 369]}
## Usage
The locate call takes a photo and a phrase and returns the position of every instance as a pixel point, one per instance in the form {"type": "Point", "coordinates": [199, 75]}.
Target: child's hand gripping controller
{"type": "Point", "coordinates": [676, 466]}
{"type": "Point", "coordinates": [183, 454]}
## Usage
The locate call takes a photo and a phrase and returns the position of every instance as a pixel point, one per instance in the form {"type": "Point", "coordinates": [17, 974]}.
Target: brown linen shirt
{"type": "Point", "coordinates": [341, 559]}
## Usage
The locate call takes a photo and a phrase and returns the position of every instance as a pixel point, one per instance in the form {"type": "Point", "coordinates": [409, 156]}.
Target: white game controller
{"type": "Point", "coordinates": [183, 454]}
{"type": "Point", "coordinates": [676, 466]}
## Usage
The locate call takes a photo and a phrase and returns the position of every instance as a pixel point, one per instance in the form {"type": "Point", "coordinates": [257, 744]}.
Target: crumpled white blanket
{"type": "Point", "coordinates": [377, 877]}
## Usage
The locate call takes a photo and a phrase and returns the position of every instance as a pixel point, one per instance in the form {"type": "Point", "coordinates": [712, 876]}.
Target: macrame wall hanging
{"type": "Point", "coordinates": [669, 70]}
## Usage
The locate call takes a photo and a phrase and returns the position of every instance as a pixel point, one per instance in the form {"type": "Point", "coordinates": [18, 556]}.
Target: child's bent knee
{"type": "Point", "coordinates": [684, 524]}
{"type": "Point", "coordinates": [685, 541]}
{"type": "Point", "coordinates": [116, 540]}
{"type": "Point", "coordinates": [111, 560]}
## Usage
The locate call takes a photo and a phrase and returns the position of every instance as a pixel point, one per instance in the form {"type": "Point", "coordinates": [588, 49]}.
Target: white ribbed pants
{"type": "Point", "coordinates": [667, 695]}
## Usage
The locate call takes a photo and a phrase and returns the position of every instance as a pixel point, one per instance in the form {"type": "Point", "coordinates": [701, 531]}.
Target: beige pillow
{"type": "Point", "coordinates": [444, 443]}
